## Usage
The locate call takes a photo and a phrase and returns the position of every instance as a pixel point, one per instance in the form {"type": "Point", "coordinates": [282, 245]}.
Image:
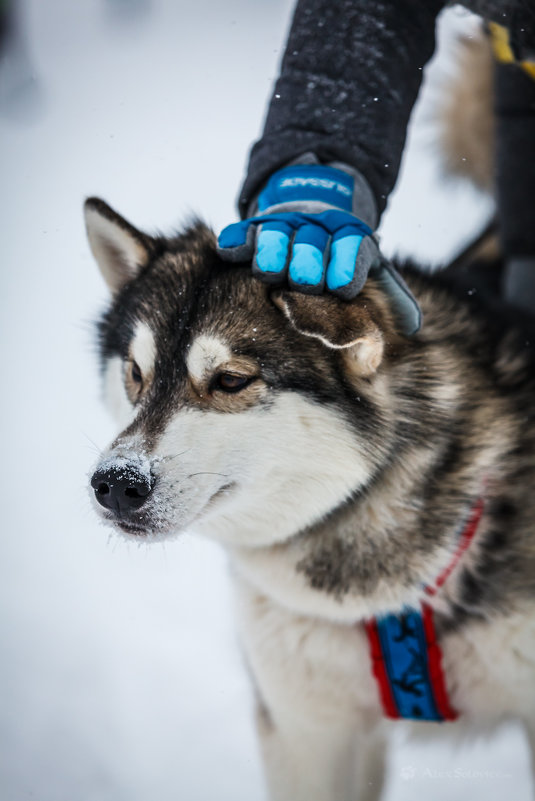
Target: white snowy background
{"type": "Point", "coordinates": [120, 674]}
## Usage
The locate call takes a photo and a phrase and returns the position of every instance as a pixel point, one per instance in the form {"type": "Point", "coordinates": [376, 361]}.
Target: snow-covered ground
{"type": "Point", "coordinates": [120, 673]}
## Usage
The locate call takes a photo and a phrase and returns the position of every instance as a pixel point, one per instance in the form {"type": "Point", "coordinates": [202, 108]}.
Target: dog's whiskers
{"type": "Point", "coordinates": [166, 459]}
{"type": "Point", "coordinates": [207, 473]}
{"type": "Point", "coordinates": [92, 442]}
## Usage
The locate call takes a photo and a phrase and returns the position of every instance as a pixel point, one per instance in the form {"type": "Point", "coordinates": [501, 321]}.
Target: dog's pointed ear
{"type": "Point", "coordinates": [120, 250]}
{"type": "Point", "coordinates": [351, 326]}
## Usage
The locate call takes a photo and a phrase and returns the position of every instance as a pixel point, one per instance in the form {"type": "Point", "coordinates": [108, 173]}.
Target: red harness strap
{"type": "Point", "coordinates": [434, 665]}
{"type": "Point", "coordinates": [379, 670]}
{"type": "Point", "coordinates": [465, 539]}
{"type": "Point", "coordinates": [406, 657]}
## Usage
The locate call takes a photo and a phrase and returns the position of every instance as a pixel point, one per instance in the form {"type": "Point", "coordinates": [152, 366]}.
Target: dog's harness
{"type": "Point", "coordinates": [406, 657]}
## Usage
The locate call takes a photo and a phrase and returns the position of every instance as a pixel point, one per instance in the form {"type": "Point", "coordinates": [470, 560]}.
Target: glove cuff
{"type": "Point", "coordinates": [307, 186]}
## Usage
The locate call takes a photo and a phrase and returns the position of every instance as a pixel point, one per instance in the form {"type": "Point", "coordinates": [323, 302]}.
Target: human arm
{"type": "Point", "coordinates": [349, 78]}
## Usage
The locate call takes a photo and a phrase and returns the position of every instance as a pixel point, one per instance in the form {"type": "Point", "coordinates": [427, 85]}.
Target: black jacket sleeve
{"type": "Point", "coordinates": [349, 79]}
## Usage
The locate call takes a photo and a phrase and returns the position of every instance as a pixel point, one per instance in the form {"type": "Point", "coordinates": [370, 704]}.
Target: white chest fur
{"type": "Point", "coordinates": [308, 668]}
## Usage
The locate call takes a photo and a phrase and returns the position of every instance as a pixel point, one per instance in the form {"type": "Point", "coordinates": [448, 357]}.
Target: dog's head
{"type": "Point", "coordinates": [248, 412]}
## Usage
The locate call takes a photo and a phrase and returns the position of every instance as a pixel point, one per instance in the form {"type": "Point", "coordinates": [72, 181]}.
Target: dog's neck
{"type": "Point", "coordinates": [373, 555]}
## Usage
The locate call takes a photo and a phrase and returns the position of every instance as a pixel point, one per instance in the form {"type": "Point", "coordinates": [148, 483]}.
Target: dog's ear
{"type": "Point", "coordinates": [353, 327]}
{"type": "Point", "coordinates": [120, 250]}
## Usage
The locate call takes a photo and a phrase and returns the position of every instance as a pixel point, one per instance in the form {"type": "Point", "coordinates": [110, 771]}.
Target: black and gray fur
{"type": "Point", "coordinates": [443, 395]}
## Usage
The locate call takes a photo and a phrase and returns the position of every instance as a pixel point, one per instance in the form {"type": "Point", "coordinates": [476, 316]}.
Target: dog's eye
{"type": "Point", "coordinates": [135, 372]}
{"type": "Point", "coordinates": [135, 382]}
{"type": "Point", "coordinates": [231, 382]}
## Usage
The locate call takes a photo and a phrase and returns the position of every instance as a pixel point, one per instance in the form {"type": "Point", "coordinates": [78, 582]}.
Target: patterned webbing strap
{"type": "Point", "coordinates": [406, 658]}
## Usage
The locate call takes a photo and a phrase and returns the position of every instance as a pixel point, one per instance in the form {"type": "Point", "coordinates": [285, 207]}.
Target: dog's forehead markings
{"type": "Point", "coordinates": [206, 353]}
{"type": "Point", "coordinates": [143, 347]}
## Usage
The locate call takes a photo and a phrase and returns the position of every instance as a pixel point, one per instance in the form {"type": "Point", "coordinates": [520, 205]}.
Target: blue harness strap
{"type": "Point", "coordinates": [405, 654]}
{"type": "Point", "coordinates": [406, 658]}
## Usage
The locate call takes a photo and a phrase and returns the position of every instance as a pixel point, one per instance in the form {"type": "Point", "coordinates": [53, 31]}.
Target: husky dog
{"type": "Point", "coordinates": [336, 461]}
{"type": "Point", "coordinates": [352, 474]}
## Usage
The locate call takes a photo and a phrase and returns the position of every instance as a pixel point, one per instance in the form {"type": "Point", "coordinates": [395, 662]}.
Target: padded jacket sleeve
{"type": "Point", "coordinates": [349, 79]}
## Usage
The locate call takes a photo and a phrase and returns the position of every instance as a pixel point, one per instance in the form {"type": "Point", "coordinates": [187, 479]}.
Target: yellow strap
{"type": "Point", "coordinates": [501, 47]}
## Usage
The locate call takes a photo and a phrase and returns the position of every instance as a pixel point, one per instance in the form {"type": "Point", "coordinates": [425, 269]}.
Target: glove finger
{"type": "Point", "coordinates": [272, 251]}
{"type": "Point", "coordinates": [236, 242]}
{"type": "Point", "coordinates": [352, 255]}
{"type": "Point", "coordinates": [307, 264]}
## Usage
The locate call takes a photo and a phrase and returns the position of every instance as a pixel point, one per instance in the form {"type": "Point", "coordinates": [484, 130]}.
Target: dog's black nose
{"type": "Point", "coordinates": [122, 488]}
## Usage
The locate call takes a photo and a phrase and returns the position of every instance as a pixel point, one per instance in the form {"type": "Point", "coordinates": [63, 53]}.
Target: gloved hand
{"type": "Point", "coordinates": [313, 227]}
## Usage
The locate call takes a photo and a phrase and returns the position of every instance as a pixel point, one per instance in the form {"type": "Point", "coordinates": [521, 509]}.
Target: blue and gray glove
{"type": "Point", "coordinates": [312, 226]}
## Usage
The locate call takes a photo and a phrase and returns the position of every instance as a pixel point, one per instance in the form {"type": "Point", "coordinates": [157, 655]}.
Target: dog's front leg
{"type": "Point", "coordinates": [319, 763]}
{"type": "Point", "coordinates": [318, 731]}
{"type": "Point", "coordinates": [308, 762]}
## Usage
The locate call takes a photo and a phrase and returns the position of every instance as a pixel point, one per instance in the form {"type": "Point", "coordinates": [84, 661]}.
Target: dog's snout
{"type": "Point", "coordinates": [121, 488]}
